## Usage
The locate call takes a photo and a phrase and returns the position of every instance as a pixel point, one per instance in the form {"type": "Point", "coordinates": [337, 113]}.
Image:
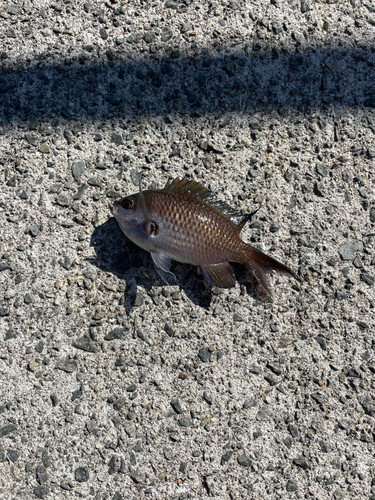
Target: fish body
{"type": "Point", "coordinates": [185, 222]}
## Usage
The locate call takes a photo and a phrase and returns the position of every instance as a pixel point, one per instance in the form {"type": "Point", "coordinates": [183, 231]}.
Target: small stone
{"type": "Point", "coordinates": [131, 388]}
{"type": "Point", "coordinates": [237, 318]}
{"type": "Point", "coordinates": [257, 434]}
{"type": "Point", "coordinates": [185, 422]}
{"type": "Point", "coordinates": [208, 397]}
{"type": "Point", "coordinates": [64, 200]}
{"type": "Point", "coordinates": [319, 398]}
{"type": "Point", "coordinates": [15, 473]}
{"type": "Point", "coordinates": [12, 182]}
{"type": "Point", "coordinates": [340, 295]}
{"type": "Point", "coordinates": [345, 424]}
{"type": "Point", "coordinates": [254, 370]}
{"type": "Point", "coordinates": [10, 334]}
{"type": "Point", "coordinates": [7, 429]}
{"type": "Point", "coordinates": [323, 446]}
{"type": "Point", "coordinates": [32, 139]}
{"type": "Point", "coordinates": [41, 491]}
{"type": "Point", "coordinates": [275, 368]}
{"type": "Point", "coordinates": [33, 365]}
{"type": "Point", "coordinates": [65, 262]}
{"type": "Point", "coordinates": [169, 330]}
{"type": "Point", "coordinates": [23, 195]}
{"type": "Point", "coordinates": [137, 477]}
{"type": "Point", "coordinates": [293, 430]}
{"type": "Point", "coordinates": [249, 403]}
{"type": "Point", "coordinates": [34, 230]}
{"type": "Point", "coordinates": [166, 34]}
{"type": "Point", "coordinates": [28, 298]}
{"type": "Point", "coordinates": [85, 344]}
{"type": "Point", "coordinates": [120, 361]}
{"type": "Point", "coordinates": [130, 430]}
{"type": "Point", "coordinates": [115, 334]}
{"type": "Point", "coordinates": [67, 365]}
{"type": "Point", "coordinates": [149, 37]}
{"type": "Point", "coordinates": [353, 373]}
{"type": "Point", "coordinates": [176, 405]}
{"type": "Point", "coordinates": [134, 176]}
{"type": "Point", "coordinates": [54, 400]}
{"type": "Point", "coordinates": [302, 462]}
{"type": "Point", "coordinates": [81, 474]}
{"type": "Point", "coordinates": [291, 486]}
{"type": "Point", "coordinates": [77, 167]}
{"type": "Point", "coordinates": [357, 262]}
{"type": "Point", "coordinates": [371, 151]}
{"type": "Point", "coordinates": [139, 299]}
{"type": "Point", "coordinates": [12, 10]}
{"type": "Point", "coordinates": [319, 189]}
{"type": "Point", "coordinates": [264, 414]}
{"type": "Point", "coordinates": [321, 169]}
{"type": "Point", "coordinates": [117, 139]}
{"type": "Point", "coordinates": [4, 312]}
{"type": "Point", "coordinates": [70, 139]}
{"type": "Point", "coordinates": [271, 380]}
{"type": "Point", "coordinates": [133, 38]}
{"type": "Point", "coordinates": [304, 7]}
{"type": "Point", "coordinates": [41, 474]}
{"type": "Point", "coordinates": [244, 460]}
{"type": "Point", "coordinates": [348, 250]}
{"type": "Point", "coordinates": [168, 454]}
{"type": "Point", "coordinates": [204, 354]}
{"type": "Point", "coordinates": [321, 341]}
{"type": "Point", "coordinates": [308, 240]}
{"type": "Point", "coordinates": [103, 34]}
{"type": "Point", "coordinates": [367, 278]}
{"type": "Point", "coordinates": [362, 325]}
{"type": "Point", "coordinates": [100, 313]}
{"type": "Point", "coordinates": [226, 457]}
{"type": "Point", "coordinates": [44, 148]}
{"type": "Point", "coordinates": [67, 486]}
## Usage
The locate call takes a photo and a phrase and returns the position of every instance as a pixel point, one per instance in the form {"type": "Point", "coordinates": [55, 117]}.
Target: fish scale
{"type": "Point", "coordinates": [195, 232]}
{"type": "Point", "coordinates": [187, 223]}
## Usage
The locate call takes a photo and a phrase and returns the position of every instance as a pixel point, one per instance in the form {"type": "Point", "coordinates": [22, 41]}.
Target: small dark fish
{"type": "Point", "coordinates": [185, 222]}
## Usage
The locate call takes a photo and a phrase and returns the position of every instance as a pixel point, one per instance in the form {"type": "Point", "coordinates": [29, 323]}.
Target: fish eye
{"type": "Point", "coordinates": [126, 204]}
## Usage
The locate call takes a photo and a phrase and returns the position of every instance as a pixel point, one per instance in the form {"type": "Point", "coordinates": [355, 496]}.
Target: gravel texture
{"type": "Point", "coordinates": [115, 386]}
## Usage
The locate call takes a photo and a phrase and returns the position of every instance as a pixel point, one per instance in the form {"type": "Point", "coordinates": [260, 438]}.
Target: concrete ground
{"type": "Point", "coordinates": [112, 384]}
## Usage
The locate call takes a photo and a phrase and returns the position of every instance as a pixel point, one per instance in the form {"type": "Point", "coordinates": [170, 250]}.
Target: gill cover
{"type": "Point", "coordinates": [142, 212]}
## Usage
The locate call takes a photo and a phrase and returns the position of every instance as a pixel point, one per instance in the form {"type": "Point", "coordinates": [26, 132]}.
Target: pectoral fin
{"type": "Point", "coordinates": [220, 275]}
{"type": "Point", "coordinates": [162, 263]}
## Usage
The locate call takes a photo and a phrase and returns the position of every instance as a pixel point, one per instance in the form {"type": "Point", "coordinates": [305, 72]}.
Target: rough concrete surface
{"type": "Point", "coordinates": [112, 384]}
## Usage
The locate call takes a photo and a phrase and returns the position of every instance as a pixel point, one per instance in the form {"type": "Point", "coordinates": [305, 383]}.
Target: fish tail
{"type": "Point", "coordinates": [260, 264]}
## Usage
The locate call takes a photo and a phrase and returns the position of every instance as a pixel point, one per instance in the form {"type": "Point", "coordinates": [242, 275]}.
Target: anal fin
{"type": "Point", "coordinates": [162, 263]}
{"type": "Point", "coordinates": [220, 275]}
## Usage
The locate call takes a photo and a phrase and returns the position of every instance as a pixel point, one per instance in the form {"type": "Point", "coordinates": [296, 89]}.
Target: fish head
{"type": "Point", "coordinates": [125, 212]}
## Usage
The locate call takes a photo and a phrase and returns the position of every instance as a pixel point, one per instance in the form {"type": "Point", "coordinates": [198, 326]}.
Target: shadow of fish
{"type": "Point", "coordinates": [185, 222]}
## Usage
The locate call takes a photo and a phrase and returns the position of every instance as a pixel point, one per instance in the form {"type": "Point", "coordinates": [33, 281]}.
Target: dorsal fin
{"type": "Point", "coordinates": [197, 191]}
{"type": "Point", "coordinates": [142, 212]}
{"type": "Point", "coordinates": [191, 188]}
{"type": "Point", "coordinates": [236, 216]}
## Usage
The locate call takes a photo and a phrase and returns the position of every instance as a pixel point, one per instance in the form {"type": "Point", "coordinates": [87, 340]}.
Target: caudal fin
{"type": "Point", "coordinates": [260, 264]}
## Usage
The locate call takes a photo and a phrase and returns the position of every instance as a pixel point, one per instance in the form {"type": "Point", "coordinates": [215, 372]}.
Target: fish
{"type": "Point", "coordinates": [187, 223]}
